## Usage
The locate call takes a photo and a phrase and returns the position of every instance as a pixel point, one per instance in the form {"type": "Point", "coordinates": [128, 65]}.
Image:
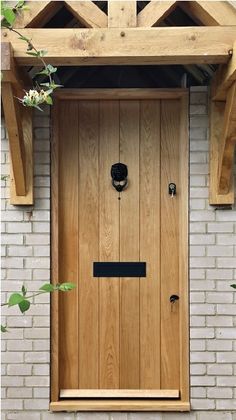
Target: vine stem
{"type": "Point", "coordinates": [28, 297]}
{"type": "Point", "coordinates": [32, 47]}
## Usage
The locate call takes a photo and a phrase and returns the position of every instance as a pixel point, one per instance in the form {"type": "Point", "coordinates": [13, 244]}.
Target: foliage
{"type": "Point", "coordinates": [42, 92]}
{"type": "Point", "coordinates": [23, 300]}
{"type": "Point", "coordinates": [233, 285]}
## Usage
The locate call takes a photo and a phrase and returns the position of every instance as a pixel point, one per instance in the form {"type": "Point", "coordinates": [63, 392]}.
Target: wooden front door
{"type": "Point", "coordinates": [122, 334]}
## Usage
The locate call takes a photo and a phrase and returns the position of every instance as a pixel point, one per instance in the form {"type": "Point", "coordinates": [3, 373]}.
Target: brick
{"type": "Point", "coordinates": [12, 404]}
{"type": "Point", "coordinates": [37, 381]}
{"type": "Point", "coordinates": [208, 239]}
{"type": "Point", "coordinates": [197, 321]}
{"type": "Point", "coordinates": [196, 204]}
{"type": "Point", "coordinates": [202, 262]}
{"type": "Point", "coordinates": [197, 297]}
{"type": "Point", "coordinates": [197, 192]}
{"type": "Point", "coordinates": [41, 393]}
{"type": "Point", "coordinates": [219, 392]}
{"type": "Point", "coordinates": [42, 133]}
{"type": "Point", "coordinates": [226, 404]}
{"type": "Point", "coordinates": [202, 404]}
{"type": "Point", "coordinates": [197, 227]}
{"type": "Point", "coordinates": [198, 133]}
{"type": "Point", "coordinates": [214, 416]}
{"type": "Point", "coordinates": [197, 345]}
{"type": "Point", "coordinates": [27, 416]}
{"type": "Point", "coordinates": [197, 369]}
{"type": "Point", "coordinates": [37, 263]}
{"type": "Point", "coordinates": [12, 239]}
{"type": "Point", "coordinates": [220, 250]}
{"type": "Point", "coordinates": [226, 357]}
{"type": "Point", "coordinates": [226, 309]}
{"type": "Point", "coordinates": [42, 251]}
{"type": "Point", "coordinates": [198, 98]}
{"type": "Point", "coordinates": [36, 404]}
{"type": "Point", "coordinates": [12, 262]}
{"type": "Point", "coordinates": [19, 392]}
{"type": "Point", "coordinates": [41, 369]}
{"type": "Point", "coordinates": [216, 297]}
{"type": "Point", "coordinates": [18, 370]}
{"type": "Point", "coordinates": [37, 333]}
{"type": "Point", "coordinates": [23, 345]}
{"type": "Point", "coordinates": [198, 392]}
{"type": "Point", "coordinates": [228, 239]}
{"type": "Point", "coordinates": [226, 215]}
{"type": "Point", "coordinates": [20, 251]}
{"type": "Point", "coordinates": [202, 309]}
{"type": "Point", "coordinates": [219, 321]}
{"type": "Point", "coordinates": [19, 227]}
{"type": "Point", "coordinates": [199, 169]}
{"type": "Point", "coordinates": [218, 369]}
{"type": "Point", "coordinates": [226, 381]}
{"type": "Point", "coordinates": [220, 227]}
{"type": "Point", "coordinates": [41, 321]}
{"type": "Point", "coordinates": [202, 285]}
{"type": "Point", "coordinates": [12, 357]}
{"type": "Point", "coordinates": [202, 357]}
{"type": "Point", "coordinates": [219, 273]}
{"type": "Point", "coordinates": [36, 357]}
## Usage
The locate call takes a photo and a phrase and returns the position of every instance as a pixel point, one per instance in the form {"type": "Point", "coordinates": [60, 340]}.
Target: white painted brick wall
{"type": "Point", "coordinates": [26, 250]}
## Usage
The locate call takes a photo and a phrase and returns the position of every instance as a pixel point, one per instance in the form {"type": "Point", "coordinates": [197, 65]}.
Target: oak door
{"type": "Point", "coordinates": [122, 333]}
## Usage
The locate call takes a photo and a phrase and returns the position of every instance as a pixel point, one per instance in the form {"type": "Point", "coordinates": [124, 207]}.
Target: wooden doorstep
{"type": "Point", "coordinates": [119, 405]}
{"type": "Point", "coordinates": [119, 393]}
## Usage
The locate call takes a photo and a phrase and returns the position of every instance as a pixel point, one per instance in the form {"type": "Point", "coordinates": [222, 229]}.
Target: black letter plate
{"type": "Point", "coordinates": [119, 269]}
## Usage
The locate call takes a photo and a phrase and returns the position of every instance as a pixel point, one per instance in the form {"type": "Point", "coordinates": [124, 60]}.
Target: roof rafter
{"type": "Point", "coordinates": [185, 45]}
{"type": "Point", "coordinates": [211, 13]}
{"type": "Point", "coordinates": [37, 14]}
{"type": "Point", "coordinates": [155, 12]}
{"type": "Point", "coordinates": [87, 13]}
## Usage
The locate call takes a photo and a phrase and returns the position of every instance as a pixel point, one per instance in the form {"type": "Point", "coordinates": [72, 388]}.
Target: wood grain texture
{"type": "Point", "coordinates": [227, 144]}
{"type": "Point", "coordinates": [12, 115]}
{"type": "Point", "coordinates": [54, 310]}
{"type": "Point", "coordinates": [150, 243]}
{"type": "Point", "coordinates": [117, 405]}
{"type": "Point", "coordinates": [183, 249]}
{"type": "Point", "coordinates": [68, 243]}
{"type": "Point", "coordinates": [223, 78]}
{"type": "Point", "coordinates": [87, 13]}
{"type": "Point", "coordinates": [37, 14]}
{"type": "Point", "coordinates": [170, 137]}
{"type": "Point", "coordinates": [122, 14]}
{"type": "Point", "coordinates": [119, 393]}
{"type": "Point", "coordinates": [109, 294]}
{"type": "Point", "coordinates": [88, 243]}
{"type": "Point", "coordinates": [211, 13]}
{"type": "Point", "coordinates": [216, 132]}
{"type": "Point", "coordinates": [155, 12]}
{"type": "Point", "coordinates": [169, 45]}
{"type": "Point", "coordinates": [129, 246]}
{"type": "Point", "coordinates": [129, 94]}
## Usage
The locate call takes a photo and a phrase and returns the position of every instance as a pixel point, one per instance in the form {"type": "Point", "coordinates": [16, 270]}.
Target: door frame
{"type": "Point", "coordinates": [182, 404]}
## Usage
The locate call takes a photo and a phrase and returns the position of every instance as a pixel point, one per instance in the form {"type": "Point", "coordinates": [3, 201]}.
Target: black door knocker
{"type": "Point", "coordinates": [119, 174]}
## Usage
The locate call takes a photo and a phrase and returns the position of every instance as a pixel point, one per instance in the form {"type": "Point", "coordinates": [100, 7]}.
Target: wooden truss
{"type": "Point", "coordinates": [124, 37]}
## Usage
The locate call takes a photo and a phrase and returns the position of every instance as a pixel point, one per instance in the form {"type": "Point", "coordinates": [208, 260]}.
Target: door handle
{"type": "Point", "coordinates": [174, 298]}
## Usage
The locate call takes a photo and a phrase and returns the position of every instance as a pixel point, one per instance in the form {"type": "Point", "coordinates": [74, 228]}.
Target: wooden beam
{"type": "Point", "coordinates": [216, 124]}
{"type": "Point", "coordinates": [227, 147]}
{"type": "Point", "coordinates": [87, 13]}
{"type": "Point", "coordinates": [10, 71]}
{"type": "Point", "coordinates": [122, 14]}
{"type": "Point", "coordinates": [15, 133]}
{"type": "Point", "coordinates": [37, 14]}
{"type": "Point", "coordinates": [211, 13]}
{"type": "Point", "coordinates": [175, 45]}
{"type": "Point", "coordinates": [223, 78]}
{"type": "Point", "coordinates": [155, 12]}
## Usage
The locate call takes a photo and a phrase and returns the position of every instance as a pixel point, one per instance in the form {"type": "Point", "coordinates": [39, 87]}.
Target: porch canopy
{"type": "Point", "coordinates": [121, 33]}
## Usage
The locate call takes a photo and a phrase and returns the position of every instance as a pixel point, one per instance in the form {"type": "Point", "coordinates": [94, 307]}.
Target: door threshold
{"type": "Point", "coordinates": [119, 405]}
{"type": "Point", "coordinates": [119, 393]}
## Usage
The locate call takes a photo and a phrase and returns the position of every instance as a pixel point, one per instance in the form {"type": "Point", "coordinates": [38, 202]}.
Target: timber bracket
{"type": "Point", "coordinates": [18, 121]}
{"type": "Point", "coordinates": [223, 134]}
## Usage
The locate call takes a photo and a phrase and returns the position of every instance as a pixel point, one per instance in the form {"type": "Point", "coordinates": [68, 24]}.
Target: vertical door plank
{"type": "Point", "coordinates": [108, 246]}
{"type": "Point", "coordinates": [88, 243]}
{"type": "Point", "coordinates": [170, 133]}
{"type": "Point", "coordinates": [129, 246]}
{"type": "Point", "coordinates": [68, 243]}
{"type": "Point", "coordinates": [150, 244]}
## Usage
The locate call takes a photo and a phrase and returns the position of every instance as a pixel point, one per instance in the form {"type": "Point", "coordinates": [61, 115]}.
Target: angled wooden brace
{"type": "Point", "coordinates": [155, 12]}
{"type": "Point", "coordinates": [87, 13]}
{"type": "Point", "coordinates": [37, 14]}
{"type": "Point", "coordinates": [19, 127]}
{"type": "Point", "coordinates": [210, 13]}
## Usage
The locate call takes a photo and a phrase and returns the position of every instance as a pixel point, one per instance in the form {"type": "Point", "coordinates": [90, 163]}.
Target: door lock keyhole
{"type": "Point", "coordinates": [172, 189]}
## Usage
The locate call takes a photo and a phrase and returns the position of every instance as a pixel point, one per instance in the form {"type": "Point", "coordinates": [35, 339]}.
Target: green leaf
{"type": "Point", "coordinates": [3, 329]}
{"type": "Point", "coordinates": [47, 287]}
{"type": "Point", "coordinates": [24, 290]}
{"type": "Point", "coordinates": [34, 54]}
{"type": "Point", "coordinates": [15, 299]}
{"type": "Point", "coordinates": [20, 4]}
{"type": "Point", "coordinates": [45, 84]}
{"type": "Point", "coordinates": [24, 305]}
{"type": "Point", "coordinates": [42, 53]}
{"type": "Point", "coordinates": [23, 38]}
{"type": "Point", "coordinates": [51, 68]}
{"type": "Point", "coordinates": [233, 285]}
{"type": "Point", "coordinates": [49, 100]}
{"type": "Point", "coordinates": [43, 72]}
{"type": "Point", "coordinates": [65, 287]}
{"type": "Point", "coordinates": [9, 15]}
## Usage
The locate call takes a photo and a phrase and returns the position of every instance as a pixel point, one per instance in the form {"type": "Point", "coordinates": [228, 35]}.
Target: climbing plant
{"type": "Point", "coordinates": [41, 92]}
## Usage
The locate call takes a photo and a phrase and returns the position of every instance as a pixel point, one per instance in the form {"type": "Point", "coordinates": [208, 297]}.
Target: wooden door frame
{"type": "Point", "coordinates": [183, 404]}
